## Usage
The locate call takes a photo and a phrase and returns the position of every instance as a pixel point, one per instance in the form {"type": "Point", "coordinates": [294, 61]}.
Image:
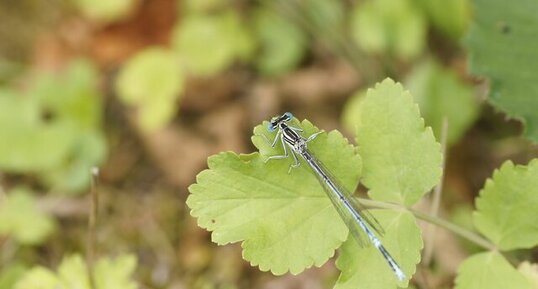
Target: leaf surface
{"type": "Point", "coordinates": [489, 271]}
{"type": "Point", "coordinates": [507, 206]}
{"type": "Point", "coordinates": [366, 268]}
{"type": "Point", "coordinates": [401, 158]}
{"type": "Point", "coordinates": [286, 221]}
{"type": "Point", "coordinates": [503, 46]}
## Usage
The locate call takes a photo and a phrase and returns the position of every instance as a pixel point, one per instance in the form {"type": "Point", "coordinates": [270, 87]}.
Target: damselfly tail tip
{"type": "Point", "coordinates": [400, 274]}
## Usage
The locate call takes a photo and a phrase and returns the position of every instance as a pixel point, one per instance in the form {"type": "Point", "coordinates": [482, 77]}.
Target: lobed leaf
{"type": "Point", "coordinates": [401, 158]}
{"type": "Point", "coordinates": [366, 268]}
{"type": "Point", "coordinates": [503, 46]}
{"type": "Point", "coordinates": [489, 271]}
{"type": "Point", "coordinates": [286, 221]}
{"type": "Point", "coordinates": [506, 206]}
{"type": "Point", "coordinates": [73, 273]}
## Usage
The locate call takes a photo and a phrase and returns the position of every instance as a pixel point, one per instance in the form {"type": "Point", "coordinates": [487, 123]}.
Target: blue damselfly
{"type": "Point", "coordinates": [359, 221]}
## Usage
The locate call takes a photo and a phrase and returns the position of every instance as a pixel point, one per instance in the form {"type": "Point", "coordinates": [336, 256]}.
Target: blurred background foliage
{"type": "Point", "coordinates": [147, 90]}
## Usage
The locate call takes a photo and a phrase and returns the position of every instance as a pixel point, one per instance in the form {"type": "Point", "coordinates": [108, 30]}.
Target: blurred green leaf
{"type": "Point", "coordinates": [450, 17]}
{"type": "Point", "coordinates": [10, 274]}
{"type": "Point", "coordinates": [395, 27]}
{"type": "Point", "coordinates": [283, 44]}
{"type": "Point", "coordinates": [104, 10]}
{"type": "Point", "coordinates": [530, 271]}
{"type": "Point", "coordinates": [489, 271]}
{"type": "Point", "coordinates": [208, 44]}
{"type": "Point", "coordinates": [350, 113]}
{"type": "Point", "coordinates": [440, 93]}
{"type": "Point", "coordinates": [73, 273]}
{"type": "Point", "coordinates": [401, 158]}
{"type": "Point", "coordinates": [152, 81]}
{"type": "Point", "coordinates": [285, 224]}
{"type": "Point", "coordinates": [20, 218]}
{"type": "Point", "coordinates": [39, 278]}
{"type": "Point", "coordinates": [195, 6]}
{"type": "Point", "coordinates": [503, 46]}
{"type": "Point", "coordinates": [53, 130]}
{"type": "Point", "coordinates": [26, 143]}
{"type": "Point", "coordinates": [115, 273]}
{"type": "Point", "coordinates": [402, 239]}
{"type": "Point", "coordinates": [326, 16]}
{"type": "Point", "coordinates": [506, 206]}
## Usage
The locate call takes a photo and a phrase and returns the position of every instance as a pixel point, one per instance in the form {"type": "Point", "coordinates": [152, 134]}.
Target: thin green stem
{"type": "Point", "coordinates": [462, 232]}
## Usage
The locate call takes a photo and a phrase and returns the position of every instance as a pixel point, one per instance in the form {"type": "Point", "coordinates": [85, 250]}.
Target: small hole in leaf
{"type": "Point", "coordinates": [503, 27]}
{"type": "Point", "coordinates": [47, 116]}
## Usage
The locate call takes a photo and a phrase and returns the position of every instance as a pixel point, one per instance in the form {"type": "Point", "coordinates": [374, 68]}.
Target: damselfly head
{"type": "Point", "coordinates": [275, 121]}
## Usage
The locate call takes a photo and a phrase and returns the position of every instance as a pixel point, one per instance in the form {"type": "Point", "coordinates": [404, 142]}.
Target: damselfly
{"type": "Point", "coordinates": [358, 221]}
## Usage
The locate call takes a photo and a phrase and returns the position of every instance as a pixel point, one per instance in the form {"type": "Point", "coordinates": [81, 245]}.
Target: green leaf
{"type": "Point", "coordinates": [53, 130]}
{"type": "Point", "coordinates": [489, 271]}
{"type": "Point", "coordinates": [503, 46]}
{"type": "Point", "coordinates": [530, 271]}
{"type": "Point", "coordinates": [73, 273]}
{"type": "Point", "coordinates": [210, 43]}
{"type": "Point", "coordinates": [450, 17]}
{"type": "Point", "coordinates": [104, 10]}
{"type": "Point", "coordinates": [115, 273]}
{"type": "Point", "coordinates": [20, 218]}
{"type": "Point", "coordinates": [39, 278]}
{"type": "Point", "coordinates": [10, 274]}
{"type": "Point", "coordinates": [283, 44]}
{"type": "Point", "coordinates": [401, 159]}
{"type": "Point", "coordinates": [366, 267]}
{"type": "Point", "coordinates": [395, 27]}
{"type": "Point", "coordinates": [152, 81]}
{"type": "Point", "coordinates": [440, 93]}
{"type": "Point", "coordinates": [506, 207]}
{"type": "Point", "coordinates": [286, 221]}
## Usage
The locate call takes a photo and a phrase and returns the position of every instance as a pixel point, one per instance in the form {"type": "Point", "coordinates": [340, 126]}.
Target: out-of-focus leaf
{"type": "Point", "coordinates": [503, 46]}
{"type": "Point", "coordinates": [401, 158]}
{"type": "Point", "coordinates": [350, 114]}
{"type": "Point", "coordinates": [70, 104]}
{"type": "Point", "coordinates": [395, 27]}
{"type": "Point", "coordinates": [152, 81]}
{"type": "Point", "coordinates": [282, 43]}
{"type": "Point", "coordinates": [440, 93]}
{"type": "Point", "coordinates": [450, 17]}
{"type": "Point", "coordinates": [286, 221]}
{"type": "Point", "coordinates": [530, 271]}
{"type": "Point", "coordinates": [115, 273]}
{"type": "Point", "coordinates": [27, 144]}
{"type": "Point", "coordinates": [10, 274]}
{"type": "Point", "coordinates": [73, 273]}
{"type": "Point", "coordinates": [39, 278]}
{"type": "Point", "coordinates": [326, 16]}
{"type": "Point", "coordinates": [209, 44]}
{"type": "Point", "coordinates": [104, 10]}
{"type": "Point", "coordinates": [402, 239]}
{"type": "Point", "coordinates": [195, 6]}
{"type": "Point", "coordinates": [506, 207]}
{"type": "Point", "coordinates": [20, 218]}
{"type": "Point", "coordinates": [489, 271]}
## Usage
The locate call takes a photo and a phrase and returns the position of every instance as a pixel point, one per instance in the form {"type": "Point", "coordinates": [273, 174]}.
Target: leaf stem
{"type": "Point", "coordinates": [462, 232]}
